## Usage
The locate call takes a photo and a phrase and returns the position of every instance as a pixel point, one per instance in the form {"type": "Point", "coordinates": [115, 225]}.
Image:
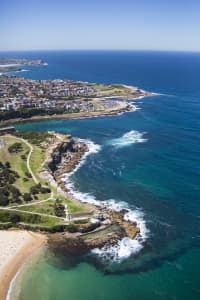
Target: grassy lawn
{"type": "Point", "coordinates": [5, 216]}
{"type": "Point", "coordinates": [20, 165]}
{"type": "Point", "coordinates": [73, 207]}
{"type": "Point", "coordinates": [17, 163]}
{"type": "Point", "coordinates": [111, 90]}
{"type": "Point", "coordinates": [44, 207]}
{"type": "Point", "coordinates": [48, 206]}
{"type": "Point", "coordinates": [102, 87]}
{"type": "Point", "coordinates": [36, 160]}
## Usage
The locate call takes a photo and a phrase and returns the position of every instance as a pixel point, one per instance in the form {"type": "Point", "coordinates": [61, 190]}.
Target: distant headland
{"type": "Point", "coordinates": [14, 64]}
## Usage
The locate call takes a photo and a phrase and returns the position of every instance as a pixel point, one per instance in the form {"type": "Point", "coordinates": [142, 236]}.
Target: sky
{"type": "Point", "coordinates": [100, 24]}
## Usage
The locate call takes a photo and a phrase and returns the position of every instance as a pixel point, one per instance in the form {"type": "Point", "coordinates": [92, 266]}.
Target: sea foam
{"type": "Point", "coordinates": [129, 138]}
{"type": "Point", "coordinates": [22, 70]}
{"type": "Point", "coordinates": [125, 247]}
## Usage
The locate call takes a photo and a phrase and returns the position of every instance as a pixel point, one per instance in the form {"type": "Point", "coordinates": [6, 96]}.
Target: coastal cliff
{"type": "Point", "coordinates": [101, 227]}
{"type": "Point", "coordinates": [65, 156]}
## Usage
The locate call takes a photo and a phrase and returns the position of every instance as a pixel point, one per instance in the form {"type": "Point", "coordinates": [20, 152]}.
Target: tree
{"type": "Point", "coordinates": [16, 193]}
{"type": "Point", "coordinates": [15, 148]}
{"type": "Point", "coordinates": [59, 208]}
{"type": "Point", "coordinates": [27, 197]}
{"type": "Point", "coordinates": [15, 218]}
{"type": "Point", "coordinates": [4, 201]}
{"type": "Point", "coordinates": [28, 174]}
{"type": "Point", "coordinates": [7, 165]}
{"type": "Point", "coordinates": [5, 191]}
{"type": "Point", "coordinates": [45, 190]}
{"type": "Point", "coordinates": [71, 227]}
{"type": "Point", "coordinates": [34, 190]}
{"type": "Point", "coordinates": [23, 156]}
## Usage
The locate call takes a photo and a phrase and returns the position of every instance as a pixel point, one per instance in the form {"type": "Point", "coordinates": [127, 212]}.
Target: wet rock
{"type": "Point", "coordinates": [67, 244]}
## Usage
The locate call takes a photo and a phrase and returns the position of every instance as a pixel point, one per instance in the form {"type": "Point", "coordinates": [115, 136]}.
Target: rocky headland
{"type": "Point", "coordinates": [101, 226]}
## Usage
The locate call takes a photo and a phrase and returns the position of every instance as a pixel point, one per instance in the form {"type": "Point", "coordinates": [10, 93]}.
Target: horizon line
{"type": "Point", "coordinates": [103, 50]}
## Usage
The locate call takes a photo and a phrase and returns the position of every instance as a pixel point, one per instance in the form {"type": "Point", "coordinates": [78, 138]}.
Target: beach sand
{"type": "Point", "coordinates": [15, 248]}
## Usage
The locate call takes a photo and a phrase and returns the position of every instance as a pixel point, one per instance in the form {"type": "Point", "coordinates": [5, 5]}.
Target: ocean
{"type": "Point", "coordinates": [148, 161]}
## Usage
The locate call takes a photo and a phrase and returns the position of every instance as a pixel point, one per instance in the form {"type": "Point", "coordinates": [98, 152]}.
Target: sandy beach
{"type": "Point", "coordinates": [15, 247]}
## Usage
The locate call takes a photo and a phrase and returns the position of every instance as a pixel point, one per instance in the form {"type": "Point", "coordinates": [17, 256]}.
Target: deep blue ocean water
{"type": "Point", "coordinates": [159, 176]}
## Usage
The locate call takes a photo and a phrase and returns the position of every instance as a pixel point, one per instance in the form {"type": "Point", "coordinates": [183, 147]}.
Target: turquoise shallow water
{"type": "Point", "coordinates": [149, 159]}
{"type": "Point", "coordinates": [44, 281]}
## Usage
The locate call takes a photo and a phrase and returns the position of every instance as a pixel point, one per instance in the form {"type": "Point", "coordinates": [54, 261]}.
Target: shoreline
{"type": "Point", "coordinates": [126, 107]}
{"type": "Point", "coordinates": [130, 224]}
{"type": "Point", "coordinates": [34, 241]}
{"type": "Point", "coordinates": [17, 246]}
{"type": "Point", "coordinates": [121, 106]}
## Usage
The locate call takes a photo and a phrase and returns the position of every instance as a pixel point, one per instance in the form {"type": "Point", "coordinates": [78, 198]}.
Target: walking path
{"type": "Point", "coordinates": [14, 208]}
{"type": "Point", "coordinates": [33, 203]}
{"type": "Point", "coordinates": [28, 157]}
{"type": "Point", "coordinates": [68, 217]}
{"type": "Point", "coordinates": [32, 213]}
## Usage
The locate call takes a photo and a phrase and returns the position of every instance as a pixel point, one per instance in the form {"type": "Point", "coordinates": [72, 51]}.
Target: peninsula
{"type": "Point", "coordinates": [14, 64]}
{"type": "Point", "coordinates": [25, 99]}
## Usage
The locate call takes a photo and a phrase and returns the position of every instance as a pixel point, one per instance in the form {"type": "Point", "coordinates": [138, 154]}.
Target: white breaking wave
{"type": "Point", "coordinates": [129, 138]}
{"type": "Point", "coordinates": [22, 70]}
{"type": "Point", "coordinates": [119, 252]}
{"type": "Point", "coordinates": [125, 247]}
{"type": "Point", "coordinates": [93, 148]}
{"type": "Point", "coordinates": [84, 197]}
{"type": "Point", "coordinates": [137, 108]}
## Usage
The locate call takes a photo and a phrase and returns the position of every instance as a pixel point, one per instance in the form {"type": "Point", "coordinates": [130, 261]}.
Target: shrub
{"type": "Point", "coordinates": [4, 191]}
{"type": "Point", "coordinates": [15, 191]}
{"type": "Point", "coordinates": [27, 197]}
{"type": "Point", "coordinates": [7, 165]}
{"type": "Point", "coordinates": [15, 218]}
{"type": "Point", "coordinates": [45, 190]}
{"type": "Point", "coordinates": [36, 189]}
{"type": "Point", "coordinates": [57, 228]}
{"type": "Point", "coordinates": [4, 201]}
{"type": "Point", "coordinates": [28, 174]}
{"type": "Point", "coordinates": [59, 208]}
{"type": "Point", "coordinates": [71, 227]}
{"type": "Point", "coordinates": [15, 148]}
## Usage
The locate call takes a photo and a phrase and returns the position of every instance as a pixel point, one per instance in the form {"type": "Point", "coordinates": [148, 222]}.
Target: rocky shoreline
{"type": "Point", "coordinates": [104, 226]}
